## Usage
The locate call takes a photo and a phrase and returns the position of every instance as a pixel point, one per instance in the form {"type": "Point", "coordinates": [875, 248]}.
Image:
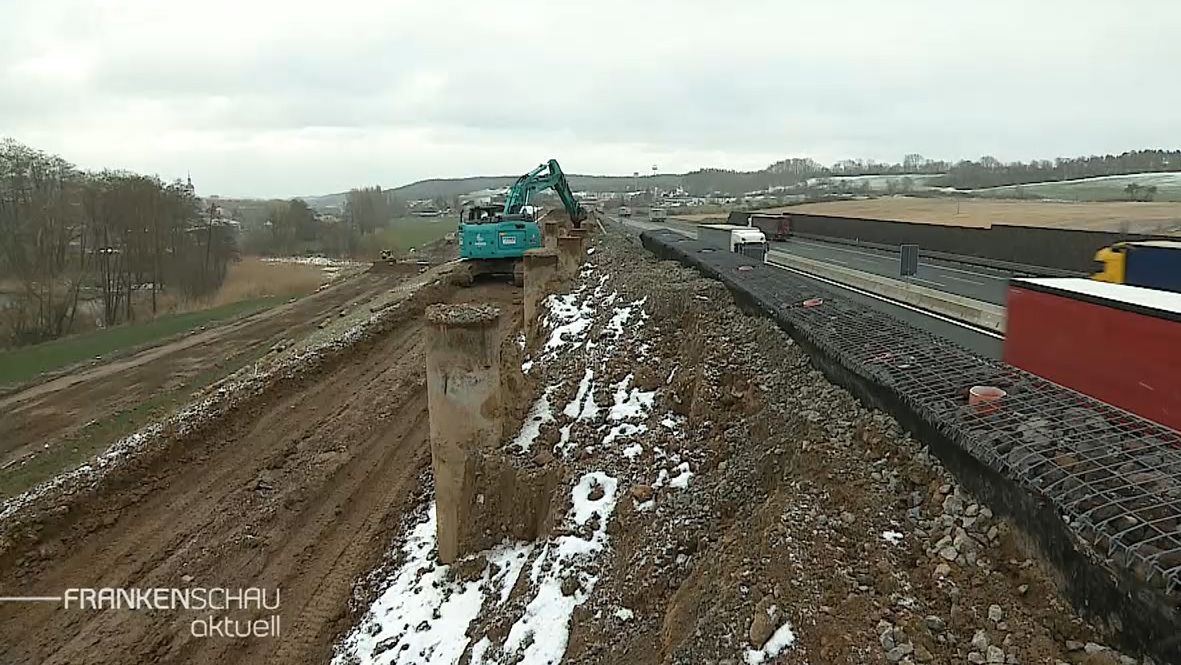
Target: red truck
{"type": "Point", "coordinates": [1117, 343]}
{"type": "Point", "coordinates": [776, 226]}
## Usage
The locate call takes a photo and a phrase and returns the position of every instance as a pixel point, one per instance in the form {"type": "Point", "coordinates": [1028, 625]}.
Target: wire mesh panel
{"type": "Point", "coordinates": [1114, 478]}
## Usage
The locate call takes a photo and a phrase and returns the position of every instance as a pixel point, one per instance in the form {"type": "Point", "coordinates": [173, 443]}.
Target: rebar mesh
{"type": "Point", "coordinates": [1112, 476]}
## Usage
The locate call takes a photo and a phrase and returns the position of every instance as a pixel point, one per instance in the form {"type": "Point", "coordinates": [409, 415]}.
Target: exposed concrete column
{"type": "Point", "coordinates": [464, 403]}
{"type": "Point", "coordinates": [570, 255]}
{"type": "Point", "coordinates": [541, 271]}
{"type": "Point", "coordinates": [584, 234]}
{"type": "Point", "coordinates": [550, 232]}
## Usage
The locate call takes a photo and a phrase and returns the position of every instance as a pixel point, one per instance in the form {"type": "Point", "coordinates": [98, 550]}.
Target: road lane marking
{"type": "Point", "coordinates": [882, 254]}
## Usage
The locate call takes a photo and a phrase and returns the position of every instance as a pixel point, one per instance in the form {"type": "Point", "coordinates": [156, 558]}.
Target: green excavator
{"type": "Point", "coordinates": [493, 238]}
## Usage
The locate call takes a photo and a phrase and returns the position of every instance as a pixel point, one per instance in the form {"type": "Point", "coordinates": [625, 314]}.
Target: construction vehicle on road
{"type": "Point", "coordinates": [494, 238]}
{"type": "Point", "coordinates": [657, 214]}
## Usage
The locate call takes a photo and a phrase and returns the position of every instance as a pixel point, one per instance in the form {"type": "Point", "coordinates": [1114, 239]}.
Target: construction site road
{"type": "Point", "coordinates": [297, 492]}
{"type": "Point", "coordinates": [45, 416]}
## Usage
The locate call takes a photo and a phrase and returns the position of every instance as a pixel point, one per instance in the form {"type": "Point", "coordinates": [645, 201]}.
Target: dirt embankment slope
{"type": "Point", "coordinates": [719, 502]}
{"type": "Point", "coordinates": [296, 490]}
{"type": "Point", "coordinates": [56, 412]}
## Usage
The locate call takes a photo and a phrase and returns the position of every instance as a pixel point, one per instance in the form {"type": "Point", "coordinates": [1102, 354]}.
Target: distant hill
{"type": "Point", "coordinates": [798, 175]}
{"type": "Point", "coordinates": [452, 187]}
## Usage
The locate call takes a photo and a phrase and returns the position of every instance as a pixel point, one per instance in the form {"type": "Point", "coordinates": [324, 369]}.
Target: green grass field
{"type": "Point", "coordinates": [96, 436]}
{"type": "Point", "coordinates": [20, 365]}
{"type": "Point", "coordinates": [403, 233]}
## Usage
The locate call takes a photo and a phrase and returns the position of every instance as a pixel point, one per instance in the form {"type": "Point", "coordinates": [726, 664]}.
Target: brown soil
{"type": "Point", "coordinates": [48, 412]}
{"type": "Point", "coordinates": [801, 500]}
{"type": "Point", "coordinates": [298, 490]}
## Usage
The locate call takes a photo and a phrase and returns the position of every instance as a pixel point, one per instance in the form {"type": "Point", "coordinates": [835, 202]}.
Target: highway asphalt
{"type": "Point", "coordinates": [969, 281]}
{"type": "Point", "coordinates": [939, 277]}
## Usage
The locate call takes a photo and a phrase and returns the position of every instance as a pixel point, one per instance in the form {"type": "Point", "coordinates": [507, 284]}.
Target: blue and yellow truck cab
{"type": "Point", "coordinates": [1151, 264]}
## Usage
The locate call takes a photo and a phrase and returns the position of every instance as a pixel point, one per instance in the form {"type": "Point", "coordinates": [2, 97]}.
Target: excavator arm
{"type": "Point", "coordinates": [534, 181]}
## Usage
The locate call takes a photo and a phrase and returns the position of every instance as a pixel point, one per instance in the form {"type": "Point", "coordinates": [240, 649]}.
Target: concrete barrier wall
{"type": "Point", "coordinates": [1065, 249]}
{"type": "Point", "coordinates": [976, 312]}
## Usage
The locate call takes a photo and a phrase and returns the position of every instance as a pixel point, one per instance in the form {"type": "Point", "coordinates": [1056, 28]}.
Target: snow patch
{"type": "Point", "coordinates": [568, 320]}
{"type": "Point", "coordinates": [540, 414]}
{"type": "Point", "coordinates": [635, 403]}
{"type": "Point", "coordinates": [623, 314]}
{"type": "Point", "coordinates": [563, 445]}
{"type": "Point", "coordinates": [681, 481]}
{"type": "Point", "coordinates": [671, 423]}
{"type": "Point", "coordinates": [424, 613]}
{"type": "Point", "coordinates": [780, 640]}
{"type": "Point", "coordinates": [541, 635]}
{"type": "Point", "coordinates": [583, 406]}
{"type": "Point", "coordinates": [892, 537]}
{"type": "Point", "coordinates": [623, 430]}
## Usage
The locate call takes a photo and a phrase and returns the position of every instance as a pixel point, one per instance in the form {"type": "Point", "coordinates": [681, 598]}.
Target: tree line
{"type": "Point", "coordinates": [987, 171]}
{"type": "Point", "coordinates": [294, 228]}
{"type": "Point", "coordinates": [104, 244]}
{"type": "Point", "coordinates": [991, 172]}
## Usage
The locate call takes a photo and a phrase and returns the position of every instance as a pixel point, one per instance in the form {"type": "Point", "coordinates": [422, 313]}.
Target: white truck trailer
{"type": "Point", "coordinates": [743, 240]}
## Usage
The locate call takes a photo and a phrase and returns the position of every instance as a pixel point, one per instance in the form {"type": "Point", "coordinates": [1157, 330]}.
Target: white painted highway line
{"type": "Point", "coordinates": [885, 255]}
{"type": "Point", "coordinates": [937, 285]}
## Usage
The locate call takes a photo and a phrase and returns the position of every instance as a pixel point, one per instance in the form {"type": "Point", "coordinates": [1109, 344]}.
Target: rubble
{"type": "Point", "coordinates": [764, 515]}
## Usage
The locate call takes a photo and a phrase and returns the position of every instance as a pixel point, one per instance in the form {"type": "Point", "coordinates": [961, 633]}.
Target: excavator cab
{"type": "Point", "coordinates": [493, 238]}
{"type": "Point", "coordinates": [485, 232]}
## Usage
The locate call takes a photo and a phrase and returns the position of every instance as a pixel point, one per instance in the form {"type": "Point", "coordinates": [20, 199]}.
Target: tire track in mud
{"type": "Point", "coordinates": [300, 492]}
{"type": "Point", "coordinates": [53, 409]}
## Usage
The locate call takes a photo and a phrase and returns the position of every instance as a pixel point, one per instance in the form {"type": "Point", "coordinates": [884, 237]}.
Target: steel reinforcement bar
{"type": "Point", "coordinates": [1096, 489]}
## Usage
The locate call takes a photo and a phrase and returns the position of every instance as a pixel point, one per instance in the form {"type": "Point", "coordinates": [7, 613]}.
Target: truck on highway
{"type": "Point", "coordinates": [743, 240]}
{"type": "Point", "coordinates": [656, 214]}
{"type": "Point", "coordinates": [1117, 343]}
{"type": "Point", "coordinates": [625, 211]}
{"type": "Point", "coordinates": [1152, 264]}
{"type": "Point", "coordinates": [775, 226]}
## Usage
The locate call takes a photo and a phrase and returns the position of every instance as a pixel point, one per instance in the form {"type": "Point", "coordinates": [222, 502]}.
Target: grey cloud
{"type": "Point", "coordinates": [277, 98]}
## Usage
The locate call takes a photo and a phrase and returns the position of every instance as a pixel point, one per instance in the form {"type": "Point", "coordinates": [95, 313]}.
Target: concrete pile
{"type": "Point", "coordinates": [483, 494]}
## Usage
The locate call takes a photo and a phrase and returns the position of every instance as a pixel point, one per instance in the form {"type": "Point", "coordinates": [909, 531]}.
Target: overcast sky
{"type": "Point", "coordinates": [283, 98]}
